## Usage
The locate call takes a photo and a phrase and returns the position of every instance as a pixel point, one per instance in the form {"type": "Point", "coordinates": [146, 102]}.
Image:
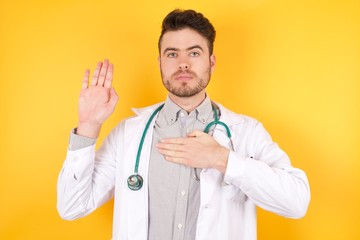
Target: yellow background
{"type": "Point", "coordinates": [294, 65]}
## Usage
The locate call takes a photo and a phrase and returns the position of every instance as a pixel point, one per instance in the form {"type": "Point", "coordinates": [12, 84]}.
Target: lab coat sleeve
{"type": "Point", "coordinates": [87, 179]}
{"type": "Point", "coordinates": [267, 177]}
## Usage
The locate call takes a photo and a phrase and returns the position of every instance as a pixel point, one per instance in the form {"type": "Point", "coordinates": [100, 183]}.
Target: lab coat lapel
{"type": "Point", "coordinates": [210, 197]}
{"type": "Point", "coordinates": [137, 201]}
{"type": "Point", "coordinates": [211, 179]}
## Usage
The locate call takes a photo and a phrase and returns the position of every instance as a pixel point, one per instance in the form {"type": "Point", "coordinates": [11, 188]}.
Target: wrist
{"type": "Point", "coordinates": [89, 130]}
{"type": "Point", "coordinates": [222, 159]}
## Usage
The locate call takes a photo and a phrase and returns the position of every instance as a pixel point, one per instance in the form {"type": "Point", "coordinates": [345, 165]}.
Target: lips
{"type": "Point", "coordinates": [183, 75]}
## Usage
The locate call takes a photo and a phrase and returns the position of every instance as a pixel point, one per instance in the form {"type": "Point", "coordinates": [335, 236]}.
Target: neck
{"type": "Point", "coordinates": [188, 103]}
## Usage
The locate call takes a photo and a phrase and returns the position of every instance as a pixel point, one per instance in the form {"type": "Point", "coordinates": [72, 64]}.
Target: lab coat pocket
{"type": "Point", "coordinates": [234, 193]}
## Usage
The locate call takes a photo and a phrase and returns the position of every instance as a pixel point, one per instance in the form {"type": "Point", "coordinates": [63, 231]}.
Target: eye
{"type": "Point", "coordinates": [194, 54]}
{"type": "Point", "coordinates": [172, 55]}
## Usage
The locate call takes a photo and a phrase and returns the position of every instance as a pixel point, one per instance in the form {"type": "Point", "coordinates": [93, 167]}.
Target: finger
{"type": "Point", "coordinates": [170, 153]}
{"type": "Point", "coordinates": [103, 72]}
{"type": "Point", "coordinates": [85, 81]}
{"type": "Point", "coordinates": [174, 140]}
{"type": "Point", "coordinates": [109, 76]}
{"type": "Point", "coordinates": [95, 77]}
{"type": "Point", "coordinates": [171, 147]}
{"type": "Point", "coordinates": [178, 160]}
{"type": "Point", "coordinates": [196, 133]}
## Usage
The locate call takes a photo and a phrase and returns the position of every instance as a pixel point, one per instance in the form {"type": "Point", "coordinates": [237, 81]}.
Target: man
{"type": "Point", "coordinates": [187, 184]}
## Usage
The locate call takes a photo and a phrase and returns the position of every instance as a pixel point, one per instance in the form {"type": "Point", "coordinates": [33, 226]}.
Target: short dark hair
{"type": "Point", "coordinates": [181, 19]}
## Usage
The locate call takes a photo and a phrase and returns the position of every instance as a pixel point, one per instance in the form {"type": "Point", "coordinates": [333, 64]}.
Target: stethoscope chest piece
{"type": "Point", "coordinates": [135, 182]}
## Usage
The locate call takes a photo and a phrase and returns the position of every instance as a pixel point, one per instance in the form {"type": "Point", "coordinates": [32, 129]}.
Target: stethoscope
{"type": "Point", "coordinates": [135, 181]}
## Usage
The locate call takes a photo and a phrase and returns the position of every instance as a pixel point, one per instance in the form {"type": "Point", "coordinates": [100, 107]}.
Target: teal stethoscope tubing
{"type": "Point", "coordinates": [135, 181]}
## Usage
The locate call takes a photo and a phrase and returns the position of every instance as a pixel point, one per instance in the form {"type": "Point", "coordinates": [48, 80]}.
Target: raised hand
{"type": "Point", "coordinates": [97, 100]}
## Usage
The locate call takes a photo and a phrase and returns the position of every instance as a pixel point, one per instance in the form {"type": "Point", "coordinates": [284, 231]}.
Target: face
{"type": "Point", "coordinates": [185, 62]}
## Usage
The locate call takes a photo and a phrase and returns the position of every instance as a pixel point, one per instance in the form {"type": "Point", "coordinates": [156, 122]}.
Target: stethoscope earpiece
{"type": "Point", "coordinates": [135, 182]}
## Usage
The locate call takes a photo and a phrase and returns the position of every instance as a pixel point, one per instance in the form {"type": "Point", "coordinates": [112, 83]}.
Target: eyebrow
{"type": "Point", "coordinates": [188, 49]}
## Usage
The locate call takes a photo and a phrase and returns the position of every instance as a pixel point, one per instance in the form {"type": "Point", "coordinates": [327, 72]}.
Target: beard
{"type": "Point", "coordinates": [185, 90]}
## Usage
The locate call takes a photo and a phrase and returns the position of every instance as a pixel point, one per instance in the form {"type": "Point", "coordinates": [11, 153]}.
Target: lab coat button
{"type": "Point", "coordinates": [179, 226]}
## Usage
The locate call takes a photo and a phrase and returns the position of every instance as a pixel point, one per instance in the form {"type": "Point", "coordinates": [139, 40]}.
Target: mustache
{"type": "Point", "coordinates": [179, 72]}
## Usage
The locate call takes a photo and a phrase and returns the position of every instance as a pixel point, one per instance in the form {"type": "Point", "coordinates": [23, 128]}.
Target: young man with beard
{"type": "Point", "coordinates": [187, 183]}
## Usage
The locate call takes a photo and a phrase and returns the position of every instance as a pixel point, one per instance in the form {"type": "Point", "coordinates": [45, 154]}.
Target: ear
{"type": "Point", "coordinates": [212, 62]}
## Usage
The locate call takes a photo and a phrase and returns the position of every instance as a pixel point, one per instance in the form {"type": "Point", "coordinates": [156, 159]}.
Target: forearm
{"type": "Point", "coordinates": [74, 183]}
{"type": "Point", "coordinates": [284, 191]}
{"type": "Point", "coordinates": [87, 178]}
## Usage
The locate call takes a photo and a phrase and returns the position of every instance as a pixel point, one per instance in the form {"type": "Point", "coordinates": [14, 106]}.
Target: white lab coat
{"type": "Point", "coordinates": [259, 173]}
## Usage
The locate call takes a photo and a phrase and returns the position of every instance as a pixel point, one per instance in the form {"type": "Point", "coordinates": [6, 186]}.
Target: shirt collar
{"type": "Point", "coordinates": [203, 111]}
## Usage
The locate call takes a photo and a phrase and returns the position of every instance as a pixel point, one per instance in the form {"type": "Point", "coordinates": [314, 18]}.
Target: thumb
{"type": "Point", "coordinates": [113, 97]}
{"type": "Point", "coordinates": [196, 133]}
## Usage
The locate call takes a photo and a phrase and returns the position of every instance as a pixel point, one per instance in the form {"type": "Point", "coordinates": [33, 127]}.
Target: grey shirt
{"type": "Point", "coordinates": [174, 192]}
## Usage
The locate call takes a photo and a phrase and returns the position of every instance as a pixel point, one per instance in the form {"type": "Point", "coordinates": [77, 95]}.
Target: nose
{"type": "Point", "coordinates": [184, 66]}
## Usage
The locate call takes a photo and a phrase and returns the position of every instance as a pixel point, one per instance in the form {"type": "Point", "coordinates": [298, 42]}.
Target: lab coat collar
{"type": "Point", "coordinates": [229, 117]}
{"type": "Point", "coordinates": [146, 110]}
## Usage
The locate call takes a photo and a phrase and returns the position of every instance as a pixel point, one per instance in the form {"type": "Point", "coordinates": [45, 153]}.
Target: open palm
{"type": "Point", "coordinates": [97, 100]}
